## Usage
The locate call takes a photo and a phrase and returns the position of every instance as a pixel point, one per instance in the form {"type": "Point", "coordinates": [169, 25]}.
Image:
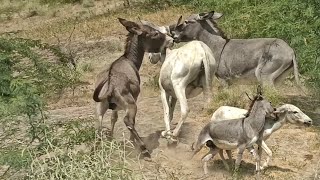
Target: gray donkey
{"type": "Point", "coordinates": [118, 87]}
{"type": "Point", "coordinates": [266, 59]}
{"type": "Point", "coordinates": [237, 133]}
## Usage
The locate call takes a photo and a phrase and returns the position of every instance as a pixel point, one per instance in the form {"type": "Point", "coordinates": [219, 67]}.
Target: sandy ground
{"type": "Point", "coordinates": [295, 149]}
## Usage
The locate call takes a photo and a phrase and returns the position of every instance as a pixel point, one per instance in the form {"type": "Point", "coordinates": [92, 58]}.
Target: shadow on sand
{"type": "Point", "coordinates": [245, 168]}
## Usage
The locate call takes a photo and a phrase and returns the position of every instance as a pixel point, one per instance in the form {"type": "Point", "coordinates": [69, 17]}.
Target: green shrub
{"type": "Point", "coordinates": [30, 73]}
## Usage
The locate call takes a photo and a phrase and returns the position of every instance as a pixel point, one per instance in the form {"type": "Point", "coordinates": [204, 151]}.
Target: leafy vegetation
{"type": "Point", "coordinates": [31, 73]}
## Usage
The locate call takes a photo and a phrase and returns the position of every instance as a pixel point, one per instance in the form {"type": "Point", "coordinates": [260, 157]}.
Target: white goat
{"type": "Point", "coordinates": [292, 114]}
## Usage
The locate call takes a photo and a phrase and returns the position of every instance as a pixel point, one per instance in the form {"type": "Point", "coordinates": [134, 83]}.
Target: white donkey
{"type": "Point", "coordinates": [289, 113]}
{"type": "Point", "coordinates": [185, 73]}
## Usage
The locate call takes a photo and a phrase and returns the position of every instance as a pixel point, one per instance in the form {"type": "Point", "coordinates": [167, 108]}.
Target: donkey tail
{"type": "Point", "coordinates": [295, 69]}
{"type": "Point", "coordinates": [202, 140]}
{"type": "Point", "coordinates": [97, 92]}
{"type": "Point", "coordinates": [209, 72]}
{"type": "Point", "coordinates": [98, 89]}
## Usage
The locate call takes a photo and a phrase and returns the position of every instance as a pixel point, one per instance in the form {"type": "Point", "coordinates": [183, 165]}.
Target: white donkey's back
{"type": "Point", "coordinates": [191, 66]}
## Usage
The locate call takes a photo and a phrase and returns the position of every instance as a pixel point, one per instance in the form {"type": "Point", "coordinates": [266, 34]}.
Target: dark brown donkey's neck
{"type": "Point", "coordinates": [134, 50]}
{"type": "Point", "coordinates": [256, 118]}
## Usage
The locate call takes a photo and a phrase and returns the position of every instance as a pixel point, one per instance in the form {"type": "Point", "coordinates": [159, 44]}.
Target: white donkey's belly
{"type": "Point", "coordinates": [192, 91]}
{"type": "Point", "coordinates": [252, 141]}
{"type": "Point", "coordinates": [222, 144]}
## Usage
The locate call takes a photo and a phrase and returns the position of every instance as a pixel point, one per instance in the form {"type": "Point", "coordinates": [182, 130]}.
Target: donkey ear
{"type": "Point", "coordinates": [179, 21]}
{"type": "Point", "coordinates": [131, 26]}
{"type": "Point", "coordinates": [210, 15]}
{"type": "Point", "coordinates": [280, 111]}
{"type": "Point", "coordinates": [205, 16]}
{"type": "Point", "coordinates": [216, 15]}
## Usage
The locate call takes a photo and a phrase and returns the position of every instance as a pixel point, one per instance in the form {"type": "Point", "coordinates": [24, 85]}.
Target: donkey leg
{"type": "Point", "coordinates": [128, 103]}
{"type": "Point", "coordinates": [230, 157]}
{"type": "Point", "coordinates": [224, 160]}
{"type": "Point", "coordinates": [101, 109]}
{"type": "Point", "coordinates": [181, 95]}
{"type": "Point", "coordinates": [207, 157]}
{"type": "Point", "coordinates": [129, 120]}
{"type": "Point", "coordinates": [166, 109]}
{"type": "Point", "coordinates": [172, 104]}
{"type": "Point", "coordinates": [239, 158]}
{"type": "Point", "coordinates": [269, 154]}
{"type": "Point", "coordinates": [114, 118]}
{"type": "Point", "coordinates": [258, 157]}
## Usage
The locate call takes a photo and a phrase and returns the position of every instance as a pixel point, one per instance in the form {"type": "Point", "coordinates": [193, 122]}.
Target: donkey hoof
{"type": "Point", "coordinates": [166, 134]}
{"type": "Point", "coordinates": [163, 133]}
{"type": "Point", "coordinates": [172, 142]}
{"type": "Point", "coordinates": [146, 154]}
{"type": "Point", "coordinates": [264, 166]}
{"type": "Point", "coordinates": [174, 139]}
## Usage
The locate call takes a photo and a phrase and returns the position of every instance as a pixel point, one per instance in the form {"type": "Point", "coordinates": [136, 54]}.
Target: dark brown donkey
{"type": "Point", "coordinates": [118, 87]}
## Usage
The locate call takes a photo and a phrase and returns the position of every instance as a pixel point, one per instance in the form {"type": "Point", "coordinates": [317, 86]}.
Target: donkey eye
{"type": "Point", "coordinates": [155, 34]}
{"type": "Point", "coordinates": [295, 112]}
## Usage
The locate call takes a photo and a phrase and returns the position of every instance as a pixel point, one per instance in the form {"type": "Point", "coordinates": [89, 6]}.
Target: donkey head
{"type": "Point", "coordinates": [260, 104]}
{"type": "Point", "coordinates": [153, 40]}
{"type": "Point", "coordinates": [293, 114]}
{"type": "Point", "coordinates": [156, 57]}
{"type": "Point", "coordinates": [191, 28]}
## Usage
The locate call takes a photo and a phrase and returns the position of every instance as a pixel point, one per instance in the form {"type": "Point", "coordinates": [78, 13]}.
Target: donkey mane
{"type": "Point", "coordinates": [256, 98]}
{"type": "Point", "coordinates": [128, 43]}
{"type": "Point", "coordinates": [220, 32]}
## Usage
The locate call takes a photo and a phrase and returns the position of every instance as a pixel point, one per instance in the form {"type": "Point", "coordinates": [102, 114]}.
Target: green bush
{"type": "Point", "coordinates": [31, 72]}
{"type": "Point", "coordinates": [297, 22]}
